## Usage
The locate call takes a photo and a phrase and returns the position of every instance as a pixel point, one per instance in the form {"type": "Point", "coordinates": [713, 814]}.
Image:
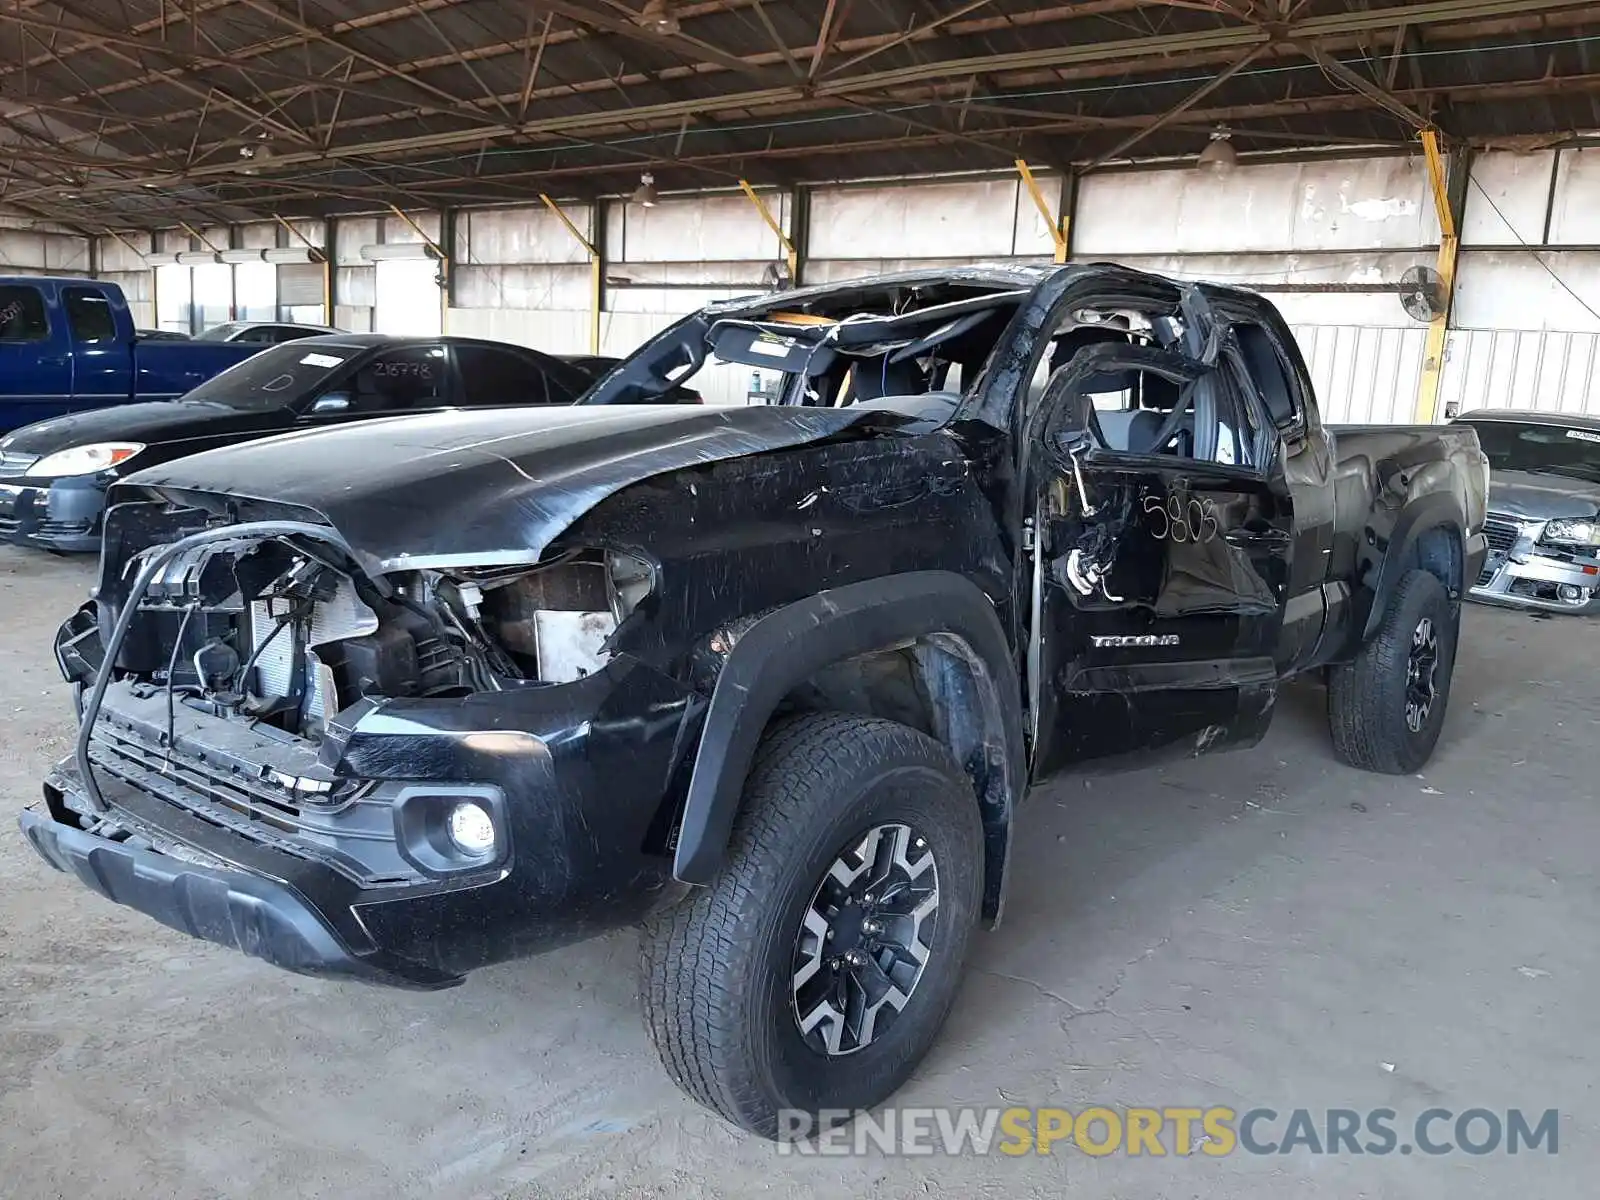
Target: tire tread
{"type": "Point", "coordinates": [691, 1008]}
{"type": "Point", "coordinates": [1362, 693]}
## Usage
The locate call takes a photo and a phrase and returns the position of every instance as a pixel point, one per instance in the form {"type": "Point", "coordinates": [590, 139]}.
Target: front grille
{"type": "Point", "coordinates": [9, 526]}
{"type": "Point", "coordinates": [14, 462]}
{"type": "Point", "coordinates": [1502, 535]}
{"type": "Point", "coordinates": [124, 754]}
{"type": "Point", "coordinates": [254, 808]}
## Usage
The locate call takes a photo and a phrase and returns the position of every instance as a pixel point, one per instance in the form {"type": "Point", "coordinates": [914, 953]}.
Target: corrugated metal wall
{"type": "Point", "coordinates": [1512, 368]}
{"type": "Point", "coordinates": [1364, 374]}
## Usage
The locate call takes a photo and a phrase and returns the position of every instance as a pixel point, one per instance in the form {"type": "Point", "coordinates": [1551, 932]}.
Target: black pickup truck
{"type": "Point", "coordinates": [397, 700]}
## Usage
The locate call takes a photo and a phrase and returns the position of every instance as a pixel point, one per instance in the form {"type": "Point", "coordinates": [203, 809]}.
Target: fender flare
{"type": "Point", "coordinates": [792, 643]}
{"type": "Point", "coordinates": [1434, 511]}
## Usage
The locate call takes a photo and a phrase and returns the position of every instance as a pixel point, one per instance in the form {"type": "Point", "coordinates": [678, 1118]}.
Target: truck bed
{"type": "Point", "coordinates": [1380, 468]}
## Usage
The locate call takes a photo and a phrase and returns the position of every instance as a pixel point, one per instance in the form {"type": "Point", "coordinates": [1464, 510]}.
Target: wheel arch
{"type": "Point", "coordinates": [963, 663]}
{"type": "Point", "coordinates": [1429, 534]}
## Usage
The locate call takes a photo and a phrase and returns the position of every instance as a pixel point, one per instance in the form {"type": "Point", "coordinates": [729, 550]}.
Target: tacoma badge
{"type": "Point", "coordinates": [1134, 639]}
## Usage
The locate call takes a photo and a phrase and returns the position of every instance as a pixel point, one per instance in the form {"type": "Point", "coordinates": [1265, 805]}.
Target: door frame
{"type": "Point", "coordinates": [1049, 461]}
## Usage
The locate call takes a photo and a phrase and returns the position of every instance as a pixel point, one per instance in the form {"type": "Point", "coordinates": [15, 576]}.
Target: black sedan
{"type": "Point", "coordinates": [54, 474]}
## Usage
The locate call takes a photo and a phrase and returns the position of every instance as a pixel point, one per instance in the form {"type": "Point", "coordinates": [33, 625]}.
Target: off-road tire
{"type": "Point", "coordinates": [1367, 697]}
{"type": "Point", "coordinates": [716, 970]}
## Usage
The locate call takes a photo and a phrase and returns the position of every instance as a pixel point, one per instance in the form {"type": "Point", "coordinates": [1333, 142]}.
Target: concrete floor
{"type": "Point", "coordinates": [1258, 929]}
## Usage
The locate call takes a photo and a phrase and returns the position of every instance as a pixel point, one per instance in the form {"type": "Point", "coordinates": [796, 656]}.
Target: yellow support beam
{"type": "Point", "coordinates": [1427, 411]}
{"type": "Point", "coordinates": [790, 255]}
{"type": "Point", "coordinates": [1059, 232]}
{"type": "Point", "coordinates": [596, 281]}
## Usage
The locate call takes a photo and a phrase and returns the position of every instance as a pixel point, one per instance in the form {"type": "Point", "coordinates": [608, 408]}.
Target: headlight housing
{"type": "Point", "coordinates": [85, 460]}
{"type": "Point", "coordinates": [1579, 532]}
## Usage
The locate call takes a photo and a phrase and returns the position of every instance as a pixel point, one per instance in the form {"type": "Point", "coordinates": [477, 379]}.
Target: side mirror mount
{"type": "Point", "coordinates": [331, 402]}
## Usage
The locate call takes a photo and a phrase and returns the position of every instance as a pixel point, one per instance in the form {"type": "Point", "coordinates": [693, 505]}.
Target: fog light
{"type": "Point", "coordinates": [471, 828]}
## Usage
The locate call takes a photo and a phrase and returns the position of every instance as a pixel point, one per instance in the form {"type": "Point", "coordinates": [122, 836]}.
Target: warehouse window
{"type": "Point", "coordinates": [22, 316]}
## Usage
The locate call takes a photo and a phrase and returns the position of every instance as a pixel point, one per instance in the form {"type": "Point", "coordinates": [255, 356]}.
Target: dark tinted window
{"type": "Point", "coordinates": [22, 316]}
{"type": "Point", "coordinates": [398, 380]}
{"type": "Point", "coordinates": [1545, 449]}
{"type": "Point", "coordinates": [1267, 370]}
{"type": "Point", "coordinates": [89, 314]}
{"type": "Point", "coordinates": [490, 375]}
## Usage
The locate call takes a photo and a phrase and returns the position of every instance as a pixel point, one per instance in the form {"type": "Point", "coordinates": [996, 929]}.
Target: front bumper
{"type": "Point", "coordinates": [61, 514]}
{"type": "Point", "coordinates": [248, 913]}
{"type": "Point", "coordinates": [1522, 573]}
{"type": "Point", "coordinates": [195, 840]}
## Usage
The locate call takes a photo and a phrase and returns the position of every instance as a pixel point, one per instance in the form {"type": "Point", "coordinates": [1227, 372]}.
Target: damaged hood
{"type": "Point", "coordinates": [468, 488]}
{"type": "Point", "coordinates": [1541, 495]}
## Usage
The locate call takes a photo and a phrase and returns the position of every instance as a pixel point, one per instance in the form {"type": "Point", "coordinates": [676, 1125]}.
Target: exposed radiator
{"type": "Point", "coordinates": [343, 616]}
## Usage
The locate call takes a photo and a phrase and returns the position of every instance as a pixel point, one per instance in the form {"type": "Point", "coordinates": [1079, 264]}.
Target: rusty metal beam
{"type": "Point", "coordinates": [926, 30]}
{"type": "Point", "coordinates": [190, 61]}
{"type": "Point", "coordinates": [1382, 97]}
{"type": "Point", "coordinates": [1181, 107]}
{"type": "Point", "coordinates": [825, 35]}
{"type": "Point", "coordinates": [391, 71]}
{"type": "Point", "coordinates": [589, 127]}
{"type": "Point", "coordinates": [110, 47]}
{"type": "Point", "coordinates": [681, 43]}
{"type": "Point", "coordinates": [462, 60]}
{"type": "Point", "coordinates": [1068, 124]}
{"type": "Point", "coordinates": [535, 61]}
{"type": "Point", "coordinates": [963, 27]}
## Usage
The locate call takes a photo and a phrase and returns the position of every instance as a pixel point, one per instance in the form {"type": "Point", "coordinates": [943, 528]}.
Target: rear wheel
{"type": "Point", "coordinates": [1386, 708]}
{"type": "Point", "coordinates": [815, 972]}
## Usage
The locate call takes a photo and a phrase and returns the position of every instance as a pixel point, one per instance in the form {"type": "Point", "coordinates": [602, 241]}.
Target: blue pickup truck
{"type": "Point", "coordinates": [70, 344]}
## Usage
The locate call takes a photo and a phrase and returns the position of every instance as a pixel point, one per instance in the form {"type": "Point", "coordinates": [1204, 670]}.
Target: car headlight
{"type": "Point", "coordinates": [1575, 532]}
{"type": "Point", "coordinates": [85, 460]}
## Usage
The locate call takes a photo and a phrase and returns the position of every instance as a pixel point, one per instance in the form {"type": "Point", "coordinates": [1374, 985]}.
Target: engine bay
{"type": "Point", "coordinates": [280, 631]}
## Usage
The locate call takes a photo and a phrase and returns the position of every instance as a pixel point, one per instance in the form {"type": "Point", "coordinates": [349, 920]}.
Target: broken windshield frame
{"type": "Point", "coordinates": [861, 345]}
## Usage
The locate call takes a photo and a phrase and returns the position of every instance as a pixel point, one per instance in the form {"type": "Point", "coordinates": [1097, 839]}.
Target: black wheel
{"type": "Point", "coordinates": [816, 971]}
{"type": "Point", "coordinates": [1387, 707]}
